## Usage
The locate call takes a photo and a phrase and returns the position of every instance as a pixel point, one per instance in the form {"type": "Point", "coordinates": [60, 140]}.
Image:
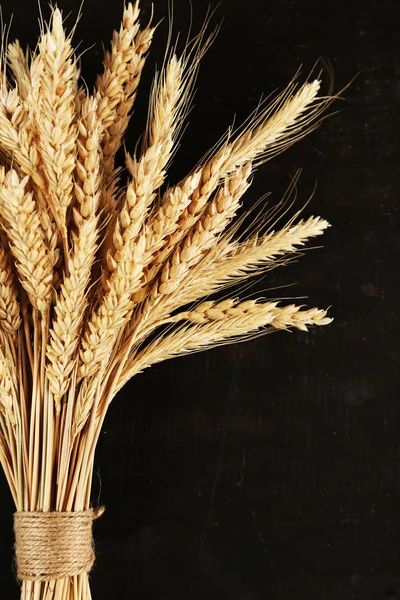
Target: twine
{"type": "Point", "coordinates": [53, 545]}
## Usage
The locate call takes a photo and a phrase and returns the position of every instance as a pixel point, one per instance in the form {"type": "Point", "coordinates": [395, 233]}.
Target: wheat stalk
{"type": "Point", "coordinates": [105, 271]}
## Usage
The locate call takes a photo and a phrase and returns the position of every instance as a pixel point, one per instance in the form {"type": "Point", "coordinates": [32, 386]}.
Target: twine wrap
{"type": "Point", "coordinates": [53, 545]}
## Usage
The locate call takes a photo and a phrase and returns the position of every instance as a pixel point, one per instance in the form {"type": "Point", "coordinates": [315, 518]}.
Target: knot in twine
{"type": "Point", "coordinates": [53, 545]}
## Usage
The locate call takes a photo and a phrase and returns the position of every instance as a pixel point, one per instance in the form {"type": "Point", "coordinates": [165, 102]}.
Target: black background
{"type": "Point", "coordinates": [268, 469]}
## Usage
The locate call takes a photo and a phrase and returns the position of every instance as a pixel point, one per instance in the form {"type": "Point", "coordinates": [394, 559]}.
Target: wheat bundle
{"type": "Point", "coordinates": [105, 271]}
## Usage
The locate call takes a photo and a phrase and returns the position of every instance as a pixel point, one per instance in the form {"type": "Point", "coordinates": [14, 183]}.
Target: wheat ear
{"type": "Point", "coordinates": [27, 240]}
{"type": "Point", "coordinates": [230, 263]}
{"type": "Point", "coordinates": [10, 314]}
{"type": "Point", "coordinates": [216, 324]}
{"type": "Point", "coordinates": [53, 76]}
{"type": "Point", "coordinates": [17, 135]}
{"type": "Point", "coordinates": [116, 88]}
{"type": "Point", "coordinates": [162, 224]}
{"type": "Point", "coordinates": [125, 257]}
{"type": "Point", "coordinates": [72, 299]}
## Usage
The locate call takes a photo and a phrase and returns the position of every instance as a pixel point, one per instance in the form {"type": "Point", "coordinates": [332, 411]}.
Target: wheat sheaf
{"type": "Point", "coordinates": [106, 269]}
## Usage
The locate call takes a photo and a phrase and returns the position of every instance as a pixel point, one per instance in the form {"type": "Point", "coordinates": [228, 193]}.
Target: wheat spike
{"type": "Point", "coordinates": [7, 386]}
{"type": "Point", "coordinates": [161, 225]}
{"type": "Point", "coordinates": [72, 299]}
{"type": "Point", "coordinates": [230, 263]}
{"type": "Point", "coordinates": [288, 119]}
{"type": "Point", "coordinates": [18, 138]}
{"type": "Point", "coordinates": [162, 297]}
{"type": "Point", "coordinates": [27, 239]}
{"type": "Point", "coordinates": [116, 88]}
{"type": "Point", "coordinates": [53, 76]}
{"type": "Point", "coordinates": [102, 276]}
{"type": "Point", "coordinates": [148, 172]}
{"type": "Point", "coordinates": [17, 135]}
{"type": "Point", "coordinates": [190, 251]}
{"type": "Point", "coordinates": [218, 323]}
{"type": "Point", "coordinates": [250, 311]}
{"type": "Point", "coordinates": [10, 316]}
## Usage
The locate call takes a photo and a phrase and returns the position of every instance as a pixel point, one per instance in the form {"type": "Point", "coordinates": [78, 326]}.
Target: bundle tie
{"type": "Point", "coordinates": [53, 545]}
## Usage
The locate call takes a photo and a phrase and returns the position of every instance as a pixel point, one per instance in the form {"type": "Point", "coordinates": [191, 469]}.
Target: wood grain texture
{"type": "Point", "coordinates": [268, 469]}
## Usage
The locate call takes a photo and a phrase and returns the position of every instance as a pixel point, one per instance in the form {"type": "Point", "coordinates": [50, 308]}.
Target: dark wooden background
{"type": "Point", "coordinates": [268, 469]}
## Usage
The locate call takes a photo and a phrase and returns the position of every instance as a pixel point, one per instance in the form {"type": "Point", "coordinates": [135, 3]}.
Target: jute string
{"type": "Point", "coordinates": [53, 545]}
